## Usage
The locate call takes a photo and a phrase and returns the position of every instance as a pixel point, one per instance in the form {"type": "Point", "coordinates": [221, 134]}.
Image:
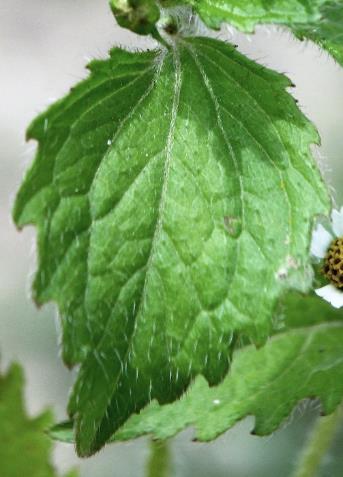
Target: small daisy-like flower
{"type": "Point", "coordinates": [328, 246]}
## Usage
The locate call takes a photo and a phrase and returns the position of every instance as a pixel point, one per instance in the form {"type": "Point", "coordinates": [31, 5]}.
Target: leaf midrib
{"type": "Point", "coordinates": [88, 230]}
{"type": "Point", "coordinates": [159, 223]}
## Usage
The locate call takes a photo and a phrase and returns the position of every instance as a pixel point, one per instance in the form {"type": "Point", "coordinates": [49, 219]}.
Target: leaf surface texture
{"type": "Point", "coordinates": [320, 21]}
{"type": "Point", "coordinates": [173, 193]}
{"type": "Point", "coordinates": [246, 14]}
{"type": "Point", "coordinates": [305, 360]}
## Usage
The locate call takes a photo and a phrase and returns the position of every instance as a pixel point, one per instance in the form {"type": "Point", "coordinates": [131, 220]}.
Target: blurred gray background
{"type": "Point", "coordinates": [44, 45]}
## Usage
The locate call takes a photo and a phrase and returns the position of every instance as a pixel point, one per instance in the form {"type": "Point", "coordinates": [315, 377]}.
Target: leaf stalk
{"type": "Point", "coordinates": [159, 461]}
{"type": "Point", "coordinates": [319, 444]}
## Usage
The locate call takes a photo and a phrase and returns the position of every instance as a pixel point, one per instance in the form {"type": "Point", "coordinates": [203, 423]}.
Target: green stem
{"type": "Point", "coordinates": [318, 444]}
{"type": "Point", "coordinates": [159, 460]}
{"type": "Point", "coordinates": [156, 35]}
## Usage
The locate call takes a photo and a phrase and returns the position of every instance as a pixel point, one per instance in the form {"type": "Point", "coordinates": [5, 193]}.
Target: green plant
{"type": "Point", "coordinates": [25, 447]}
{"type": "Point", "coordinates": [174, 194]}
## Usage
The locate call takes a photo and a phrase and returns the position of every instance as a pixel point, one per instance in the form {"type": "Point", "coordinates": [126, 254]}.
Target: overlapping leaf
{"type": "Point", "coordinates": [25, 448]}
{"type": "Point", "coordinates": [173, 192]}
{"type": "Point", "coordinates": [305, 361]}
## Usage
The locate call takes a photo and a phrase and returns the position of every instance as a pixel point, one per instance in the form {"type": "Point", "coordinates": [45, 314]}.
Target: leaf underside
{"type": "Point", "coordinates": [173, 193]}
{"type": "Point", "coordinates": [303, 361]}
{"type": "Point", "coordinates": [246, 14]}
{"type": "Point", "coordinates": [320, 21]}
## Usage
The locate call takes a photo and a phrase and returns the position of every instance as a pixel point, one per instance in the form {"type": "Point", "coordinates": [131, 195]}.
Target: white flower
{"type": "Point", "coordinates": [321, 242]}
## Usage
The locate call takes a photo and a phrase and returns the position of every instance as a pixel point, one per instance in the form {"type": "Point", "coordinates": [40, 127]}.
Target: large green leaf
{"type": "Point", "coordinates": [25, 448]}
{"type": "Point", "coordinates": [173, 192]}
{"type": "Point", "coordinates": [302, 362]}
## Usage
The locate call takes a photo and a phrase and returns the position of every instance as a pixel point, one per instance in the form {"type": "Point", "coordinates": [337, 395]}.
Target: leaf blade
{"type": "Point", "coordinates": [165, 173]}
{"type": "Point", "coordinates": [318, 21]}
{"type": "Point", "coordinates": [247, 14]}
{"type": "Point", "coordinates": [212, 411]}
{"type": "Point", "coordinates": [304, 361]}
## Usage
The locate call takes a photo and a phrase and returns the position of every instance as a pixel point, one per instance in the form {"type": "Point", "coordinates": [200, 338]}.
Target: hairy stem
{"type": "Point", "coordinates": [159, 460]}
{"type": "Point", "coordinates": [318, 444]}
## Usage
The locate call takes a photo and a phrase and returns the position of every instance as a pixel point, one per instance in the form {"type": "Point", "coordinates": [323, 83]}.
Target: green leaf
{"type": "Point", "coordinates": [320, 21]}
{"type": "Point", "coordinates": [246, 14]}
{"type": "Point", "coordinates": [298, 311]}
{"type": "Point", "coordinates": [25, 449]}
{"type": "Point", "coordinates": [173, 192]}
{"type": "Point", "coordinates": [303, 362]}
{"type": "Point", "coordinates": [266, 383]}
{"type": "Point", "coordinates": [328, 31]}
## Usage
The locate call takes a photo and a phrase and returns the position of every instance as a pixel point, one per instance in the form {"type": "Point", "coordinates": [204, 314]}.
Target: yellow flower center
{"type": "Point", "coordinates": [333, 265]}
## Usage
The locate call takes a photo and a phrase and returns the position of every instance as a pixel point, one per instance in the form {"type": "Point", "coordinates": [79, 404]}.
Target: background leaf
{"type": "Point", "coordinates": [25, 448]}
{"type": "Point", "coordinates": [328, 31]}
{"type": "Point", "coordinates": [174, 193]}
{"type": "Point", "coordinates": [246, 14]}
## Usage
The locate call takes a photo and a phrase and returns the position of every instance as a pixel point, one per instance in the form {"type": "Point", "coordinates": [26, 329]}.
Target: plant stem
{"type": "Point", "coordinates": [159, 460]}
{"type": "Point", "coordinates": [156, 35]}
{"type": "Point", "coordinates": [318, 444]}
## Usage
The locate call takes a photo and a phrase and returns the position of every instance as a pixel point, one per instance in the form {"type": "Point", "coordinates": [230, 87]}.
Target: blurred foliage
{"type": "Point", "coordinates": [25, 449]}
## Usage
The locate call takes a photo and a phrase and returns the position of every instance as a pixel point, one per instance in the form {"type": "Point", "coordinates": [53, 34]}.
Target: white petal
{"type": "Point", "coordinates": [331, 294]}
{"type": "Point", "coordinates": [337, 222]}
{"type": "Point", "coordinates": [321, 240]}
